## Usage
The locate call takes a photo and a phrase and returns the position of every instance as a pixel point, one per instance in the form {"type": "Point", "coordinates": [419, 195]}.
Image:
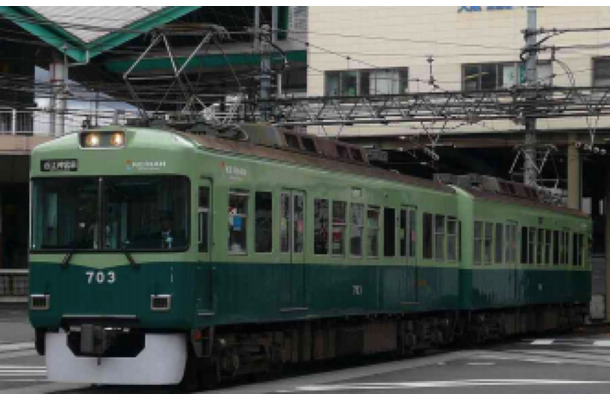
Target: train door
{"type": "Point", "coordinates": [511, 244]}
{"type": "Point", "coordinates": [204, 283]}
{"type": "Point", "coordinates": [292, 244]}
{"type": "Point", "coordinates": [408, 250]}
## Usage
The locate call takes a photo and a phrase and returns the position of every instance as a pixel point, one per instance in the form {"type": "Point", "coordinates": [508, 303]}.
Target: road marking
{"type": "Point", "coordinates": [602, 343]}
{"type": "Point", "coordinates": [480, 363]}
{"type": "Point", "coordinates": [543, 342]}
{"type": "Point", "coordinates": [443, 384]}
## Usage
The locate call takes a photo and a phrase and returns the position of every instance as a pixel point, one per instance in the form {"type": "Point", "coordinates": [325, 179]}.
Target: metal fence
{"type": "Point", "coordinates": [14, 283]}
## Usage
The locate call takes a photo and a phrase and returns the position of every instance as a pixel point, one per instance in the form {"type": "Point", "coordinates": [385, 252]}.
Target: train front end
{"type": "Point", "coordinates": [110, 259]}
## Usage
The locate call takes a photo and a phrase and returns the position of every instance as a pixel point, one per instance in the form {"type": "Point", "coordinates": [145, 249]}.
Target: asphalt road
{"type": "Point", "coordinates": [574, 363]}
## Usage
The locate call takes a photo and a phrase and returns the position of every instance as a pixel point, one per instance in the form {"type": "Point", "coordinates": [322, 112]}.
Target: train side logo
{"type": "Point", "coordinates": [145, 165]}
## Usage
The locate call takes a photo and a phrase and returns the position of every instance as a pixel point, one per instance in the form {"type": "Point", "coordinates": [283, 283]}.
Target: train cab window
{"type": "Point", "coordinates": [204, 218]}
{"type": "Point", "coordinates": [356, 229]}
{"type": "Point", "coordinates": [478, 242]}
{"type": "Point", "coordinates": [488, 242]}
{"type": "Point", "coordinates": [428, 235]}
{"type": "Point", "coordinates": [531, 246]}
{"type": "Point", "coordinates": [547, 247]}
{"type": "Point", "coordinates": [555, 247]}
{"type": "Point", "coordinates": [389, 232]}
{"type": "Point", "coordinates": [263, 217]}
{"type": "Point", "coordinates": [524, 242]}
{"type": "Point", "coordinates": [339, 224]}
{"type": "Point", "coordinates": [439, 237]}
{"type": "Point", "coordinates": [285, 222]}
{"type": "Point", "coordinates": [238, 221]}
{"type": "Point", "coordinates": [452, 232]}
{"type": "Point", "coordinates": [499, 242]}
{"type": "Point", "coordinates": [372, 232]}
{"type": "Point", "coordinates": [321, 218]}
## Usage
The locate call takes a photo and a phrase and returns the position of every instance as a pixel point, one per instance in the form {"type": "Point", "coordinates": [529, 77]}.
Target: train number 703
{"type": "Point", "coordinates": [100, 277]}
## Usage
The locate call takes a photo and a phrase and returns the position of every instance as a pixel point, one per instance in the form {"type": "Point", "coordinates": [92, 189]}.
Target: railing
{"type": "Point", "coordinates": [14, 284]}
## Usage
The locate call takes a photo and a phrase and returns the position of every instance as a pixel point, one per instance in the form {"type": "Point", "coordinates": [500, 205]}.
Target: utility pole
{"type": "Point", "coordinates": [530, 172]}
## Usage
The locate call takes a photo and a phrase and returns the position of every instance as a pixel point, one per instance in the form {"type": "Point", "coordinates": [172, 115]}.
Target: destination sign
{"type": "Point", "coordinates": [59, 165]}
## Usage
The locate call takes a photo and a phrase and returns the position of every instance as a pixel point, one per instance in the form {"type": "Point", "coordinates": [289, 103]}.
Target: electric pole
{"type": "Point", "coordinates": [530, 172]}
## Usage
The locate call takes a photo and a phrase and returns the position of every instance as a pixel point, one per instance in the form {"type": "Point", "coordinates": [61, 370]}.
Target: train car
{"type": "Point", "coordinates": [161, 257]}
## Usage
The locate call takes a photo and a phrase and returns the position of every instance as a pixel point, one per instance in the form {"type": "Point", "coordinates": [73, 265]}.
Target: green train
{"type": "Point", "coordinates": [163, 257]}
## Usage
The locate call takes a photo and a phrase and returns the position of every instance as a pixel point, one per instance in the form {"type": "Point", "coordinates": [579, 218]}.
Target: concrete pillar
{"type": "Point", "coordinates": [607, 237]}
{"type": "Point", "coordinates": [574, 175]}
{"type": "Point", "coordinates": [58, 71]}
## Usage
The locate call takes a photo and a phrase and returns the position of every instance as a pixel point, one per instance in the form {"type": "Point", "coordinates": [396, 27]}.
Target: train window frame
{"type": "Point", "coordinates": [372, 232]}
{"type": "Point", "coordinates": [339, 225]}
{"type": "Point", "coordinates": [356, 229]}
{"type": "Point", "coordinates": [531, 245]}
{"type": "Point", "coordinates": [548, 243]}
{"type": "Point", "coordinates": [238, 193]}
{"type": "Point", "coordinates": [556, 247]}
{"type": "Point", "coordinates": [258, 226]}
{"type": "Point", "coordinates": [524, 245]}
{"type": "Point", "coordinates": [540, 238]}
{"type": "Point", "coordinates": [412, 226]}
{"type": "Point", "coordinates": [323, 230]}
{"type": "Point", "coordinates": [452, 239]}
{"type": "Point", "coordinates": [440, 235]}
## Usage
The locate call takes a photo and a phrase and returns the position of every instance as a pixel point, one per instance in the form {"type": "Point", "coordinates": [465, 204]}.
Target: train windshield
{"type": "Point", "coordinates": [110, 213]}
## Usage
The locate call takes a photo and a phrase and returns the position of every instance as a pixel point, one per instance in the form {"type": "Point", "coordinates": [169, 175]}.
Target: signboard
{"type": "Point", "coordinates": [59, 165]}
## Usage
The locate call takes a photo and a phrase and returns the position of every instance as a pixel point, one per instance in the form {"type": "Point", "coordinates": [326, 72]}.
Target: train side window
{"type": "Point", "coordinates": [439, 237]}
{"type": "Point", "coordinates": [404, 233]}
{"type": "Point", "coordinates": [321, 219]}
{"type": "Point", "coordinates": [339, 224]}
{"type": "Point", "coordinates": [389, 232]}
{"type": "Point", "coordinates": [285, 222]}
{"type": "Point", "coordinates": [531, 248]}
{"type": "Point", "coordinates": [555, 247]}
{"type": "Point", "coordinates": [204, 218]}
{"type": "Point", "coordinates": [478, 242]}
{"type": "Point", "coordinates": [372, 232]}
{"type": "Point", "coordinates": [238, 221]}
{"type": "Point", "coordinates": [524, 242]}
{"type": "Point", "coordinates": [540, 247]}
{"type": "Point", "coordinates": [428, 235]}
{"type": "Point", "coordinates": [263, 217]}
{"type": "Point", "coordinates": [452, 233]}
{"type": "Point", "coordinates": [547, 247]}
{"type": "Point", "coordinates": [581, 244]}
{"type": "Point", "coordinates": [356, 229]}
{"type": "Point", "coordinates": [565, 247]}
{"type": "Point", "coordinates": [575, 249]}
{"type": "Point", "coordinates": [412, 233]}
{"type": "Point", "coordinates": [459, 241]}
{"type": "Point", "coordinates": [499, 243]}
{"type": "Point", "coordinates": [488, 241]}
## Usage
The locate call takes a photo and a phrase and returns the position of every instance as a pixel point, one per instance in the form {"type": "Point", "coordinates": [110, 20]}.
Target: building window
{"type": "Point", "coordinates": [238, 218]}
{"type": "Point", "coordinates": [372, 232]}
{"type": "Point", "coordinates": [357, 229]}
{"type": "Point", "coordinates": [320, 208]}
{"type": "Point", "coordinates": [367, 82]}
{"type": "Point", "coordinates": [493, 76]}
{"type": "Point", "coordinates": [601, 71]}
{"type": "Point", "coordinates": [338, 236]}
{"type": "Point", "coordinates": [439, 237]}
{"type": "Point", "coordinates": [389, 232]}
{"type": "Point", "coordinates": [263, 216]}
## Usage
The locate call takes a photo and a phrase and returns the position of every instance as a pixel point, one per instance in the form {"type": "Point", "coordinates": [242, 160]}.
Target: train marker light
{"type": "Point", "coordinates": [117, 139]}
{"type": "Point", "coordinates": [92, 140]}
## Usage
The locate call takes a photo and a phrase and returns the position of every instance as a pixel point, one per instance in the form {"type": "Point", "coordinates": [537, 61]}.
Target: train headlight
{"type": "Point", "coordinates": [117, 139]}
{"type": "Point", "coordinates": [92, 140]}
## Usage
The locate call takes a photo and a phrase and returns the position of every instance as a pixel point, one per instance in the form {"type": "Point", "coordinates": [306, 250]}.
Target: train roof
{"type": "Point", "coordinates": [313, 160]}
